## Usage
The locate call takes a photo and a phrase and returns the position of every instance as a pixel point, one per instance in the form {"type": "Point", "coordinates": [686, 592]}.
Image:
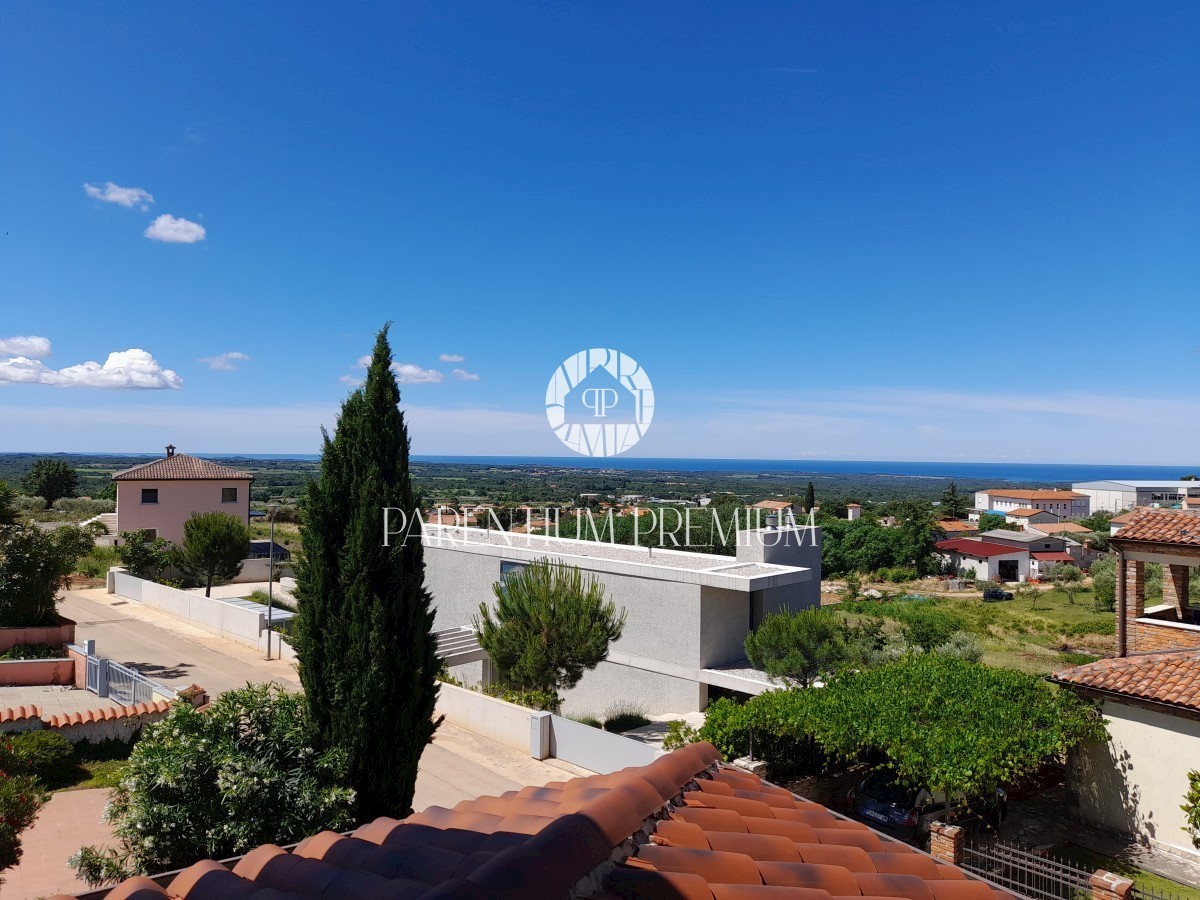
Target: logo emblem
{"type": "Point", "coordinates": [599, 402]}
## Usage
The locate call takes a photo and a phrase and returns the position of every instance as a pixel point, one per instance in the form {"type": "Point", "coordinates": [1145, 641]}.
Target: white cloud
{"type": "Point", "coordinates": [226, 362]}
{"type": "Point", "coordinates": [28, 345]}
{"type": "Point", "coordinates": [406, 373]}
{"type": "Point", "coordinates": [451, 357]}
{"type": "Point", "coordinates": [409, 373]}
{"type": "Point", "coordinates": [123, 370]}
{"type": "Point", "coordinates": [171, 230]}
{"type": "Point", "coordinates": [122, 196]}
{"type": "Point", "coordinates": [464, 375]}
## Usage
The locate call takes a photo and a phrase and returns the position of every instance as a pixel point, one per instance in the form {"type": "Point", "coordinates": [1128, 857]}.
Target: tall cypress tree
{"type": "Point", "coordinates": [810, 497]}
{"type": "Point", "coordinates": [363, 629]}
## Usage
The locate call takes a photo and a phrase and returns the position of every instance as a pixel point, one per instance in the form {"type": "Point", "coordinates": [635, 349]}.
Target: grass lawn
{"type": "Point", "coordinates": [1035, 632]}
{"type": "Point", "coordinates": [1143, 879]}
{"type": "Point", "coordinates": [287, 534]}
{"type": "Point", "coordinates": [95, 766]}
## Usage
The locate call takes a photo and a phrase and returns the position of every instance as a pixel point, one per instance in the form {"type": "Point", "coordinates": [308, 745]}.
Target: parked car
{"type": "Point", "coordinates": [993, 594]}
{"type": "Point", "coordinates": [885, 804]}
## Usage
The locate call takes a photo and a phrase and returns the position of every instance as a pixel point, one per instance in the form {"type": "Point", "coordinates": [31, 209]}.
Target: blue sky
{"type": "Point", "coordinates": [845, 230]}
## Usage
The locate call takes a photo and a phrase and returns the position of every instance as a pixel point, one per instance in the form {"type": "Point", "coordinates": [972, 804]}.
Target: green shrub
{"type": "Point", "coordinates": [771, 726]}
{"type": "Point", "coordinates": [590, 721]}
{"type": "Point", "coordinates": [20, 798]}
{"type": "Point", "coordinates": [529, 699]}
{"type": "Point", "coordinates": [34, 651]}
{"type": "Point", "coordinates": [1191, 807]}
{"type": "Point", "coordinates": [1078, 659]}
{"type": "Point", "coordinates": [44, 754]}
{"type": "Point", "coordinates": [247, 771]}
{"type": "Point", "coordinates": [1103, 625]}
{"type": "Point", "coordinates": [929, 628]}
{"type": "Point", "coordinates": [961, 646]}
{"type": "Point", "coordinates": [679, 734]}
{"type": "Point", "coordinates": [621, 723]}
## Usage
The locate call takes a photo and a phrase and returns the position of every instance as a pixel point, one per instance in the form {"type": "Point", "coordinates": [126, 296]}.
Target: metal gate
{"type": "Point", "coordinates": [1026, 873]}
{"type": "Point", "coordinates": [93, 674]}
{"type": "Point", "coordinates": [127, 686]}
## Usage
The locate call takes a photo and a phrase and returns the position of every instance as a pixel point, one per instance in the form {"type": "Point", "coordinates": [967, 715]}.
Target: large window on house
{"type": "Point", "coordinates": [508, 568]}
{"type": "Point", "coordinates": [229, 495]}
{"type": "Point", "coordinates": [149, 495]}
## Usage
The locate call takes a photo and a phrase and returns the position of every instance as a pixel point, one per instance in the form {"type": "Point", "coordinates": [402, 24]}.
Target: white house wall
{"type": "Point", "coordinates": [1136, 783]}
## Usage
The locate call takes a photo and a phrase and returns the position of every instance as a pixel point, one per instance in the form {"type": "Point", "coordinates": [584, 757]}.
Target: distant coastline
{"type": "Point", "coordinates": [1048, 473]}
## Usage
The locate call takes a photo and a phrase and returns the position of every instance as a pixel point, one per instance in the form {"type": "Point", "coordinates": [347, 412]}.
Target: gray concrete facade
{"type": "Point", "coordinates": [685, 611]}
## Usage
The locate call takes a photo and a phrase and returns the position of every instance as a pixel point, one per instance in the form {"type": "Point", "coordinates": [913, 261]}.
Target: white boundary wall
{"type": "Point", "coordinates": [227, 620]}
{"type": "Point", "coordinates": [500, 721]}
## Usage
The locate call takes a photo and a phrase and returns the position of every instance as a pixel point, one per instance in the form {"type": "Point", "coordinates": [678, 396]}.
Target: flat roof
{"type": "Point", "coordinates": [709, 569]}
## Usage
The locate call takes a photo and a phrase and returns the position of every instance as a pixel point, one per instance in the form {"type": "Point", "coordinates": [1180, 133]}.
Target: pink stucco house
{"type": "Point", "coordinates": [159, 496]}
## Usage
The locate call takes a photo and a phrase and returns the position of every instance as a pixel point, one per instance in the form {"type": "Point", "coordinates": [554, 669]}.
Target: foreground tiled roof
{"type": "Point", "coordinates": [1172, 677]}
{"type": "Point", "coordinates": [1162, 526]}
{"type": "Point", "coordinates": [1125, 518]}
{"type": "Point", "coordinates": [180, 466]}
{"type": "Point", "coordinates": [1026, 511]}
{"type": "Point", "coordinates": [682, 827]}
{"type": "Point", "coordinates": [976, 548]}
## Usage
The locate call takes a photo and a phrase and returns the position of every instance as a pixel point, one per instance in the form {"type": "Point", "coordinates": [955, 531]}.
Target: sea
{"type": "Point", "coordinates": [1049, 473]}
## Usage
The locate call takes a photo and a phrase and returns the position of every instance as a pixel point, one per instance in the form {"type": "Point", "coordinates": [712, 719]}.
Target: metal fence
{"type": "Point", "coordinates": [127, 686]}
{"type": "Point", "coordinates": [1142, 893]}
{"type": "Point", "coordinates": [1026, 873]}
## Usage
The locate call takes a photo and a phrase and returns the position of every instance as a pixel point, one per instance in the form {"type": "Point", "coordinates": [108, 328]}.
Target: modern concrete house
{"type": "Point", "coordinates": [688, 614]}
{"type": "Point", "coordinates": [1136, 781]}
{"type": "Point", "coordinates": [1115, 496]}
{"type": "Point", "coordinates": [985, 560]}
{"type": "Point", "coordinates": [160, 496]}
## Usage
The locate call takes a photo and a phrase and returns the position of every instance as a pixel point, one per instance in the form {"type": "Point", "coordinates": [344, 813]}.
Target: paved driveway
{"type": "Point", "coordinates": [167, 649]}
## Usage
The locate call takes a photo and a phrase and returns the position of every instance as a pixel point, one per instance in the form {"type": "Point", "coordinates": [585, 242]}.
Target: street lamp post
{"type": "Point", "coordinates": [272, 508]}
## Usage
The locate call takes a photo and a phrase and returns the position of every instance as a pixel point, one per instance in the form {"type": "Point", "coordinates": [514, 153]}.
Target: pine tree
{"type": "Point", "coordinates": [810, 497]}
{"type": "Point", "coordinates": [954, 504]}
{"type": "Point", "coordinates": [363, 629]}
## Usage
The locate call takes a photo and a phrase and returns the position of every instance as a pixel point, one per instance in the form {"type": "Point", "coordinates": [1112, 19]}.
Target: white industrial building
{"type": "Point", "coordinates": [1116, 496]}
{"type": "Point", "coordinates": [688, 614]}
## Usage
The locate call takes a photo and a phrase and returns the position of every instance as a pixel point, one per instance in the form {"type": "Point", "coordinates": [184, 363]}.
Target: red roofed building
{"type": "Point", "coordinates": [1170, 538]}
{"type": "Point", "coordinates": [986, 561]}
{"type": "Point", "coordinates": [160, 496]}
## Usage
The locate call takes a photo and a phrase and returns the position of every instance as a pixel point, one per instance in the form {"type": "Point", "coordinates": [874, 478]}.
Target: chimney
{"type": "Point", "coordinates": [170, 450]}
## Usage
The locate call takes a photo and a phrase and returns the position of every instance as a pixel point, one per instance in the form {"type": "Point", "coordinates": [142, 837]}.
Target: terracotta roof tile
{"type": "Point", "coordinates": [1161, 526]}
{"type": "Point", "coordinates": [714, 833]}
{"type": "Point", "coordinates": [1024, 512]}
{"type": "Point", "coordinates": [1171, 677]}
{"type": "Point", "coordinates": [180, 467]}
{"type": "Point", "coordinates": [1060, 528]}
{"type": "Point", "coordinates": [977, 548]}
{"type": "Point", "coordinates": [1009, 494]}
